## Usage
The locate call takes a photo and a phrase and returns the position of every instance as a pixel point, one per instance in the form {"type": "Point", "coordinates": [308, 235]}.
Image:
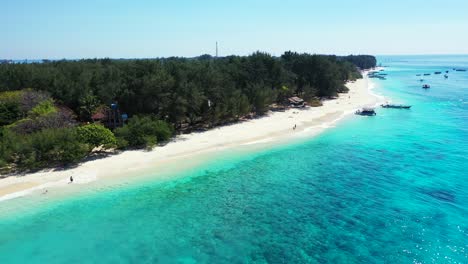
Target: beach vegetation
{"type": "Point", "coordinates": [361, 61]}
{"type": "Point", "coordinates": [96, 135]}
{"type": "Point", "coordinates": [186, 92]}
{"type": "Point", "coordinates": [9, 113]}
{"type": "Point", "coordinates": [87, 106]}
{"type": "Point", "coordinates": [48, 123]}
{"type": "Point", "coordinates": [43, 108]}
{"type": "Point", "coordinates": [144, 131]}
{"type": "Point", "coordinates": [48, 147]}
{"type": "Point", "coordinates": [10, 107]}
{"type": "Point", "coordinates": [314, 102]}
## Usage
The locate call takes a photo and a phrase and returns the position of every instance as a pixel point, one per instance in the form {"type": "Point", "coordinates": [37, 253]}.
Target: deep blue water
{"type": "Point", "coordinates": [386, 189]}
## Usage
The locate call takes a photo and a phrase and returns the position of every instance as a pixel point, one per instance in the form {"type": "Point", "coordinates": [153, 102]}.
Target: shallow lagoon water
{"type": "Point", "coordinates": [386, 189]}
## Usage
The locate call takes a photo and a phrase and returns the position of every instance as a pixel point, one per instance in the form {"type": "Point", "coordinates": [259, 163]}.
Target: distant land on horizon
{"type": "Point", "coordinates": [2, 60]}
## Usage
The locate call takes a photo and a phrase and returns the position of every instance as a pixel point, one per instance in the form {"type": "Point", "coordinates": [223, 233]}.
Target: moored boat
{"type": "Point", "coordinates": [366, 111]}
{"type": "Point", "coordinates": [437, 72]}
{"type": "Point", "coordinates": [426, 86]}
{"type": "Point", "coordinates": [427, 74]}
{"type": "Point", "coordinates": [397, 106]}
{"type": "Point", "coordinates": [377, 75]}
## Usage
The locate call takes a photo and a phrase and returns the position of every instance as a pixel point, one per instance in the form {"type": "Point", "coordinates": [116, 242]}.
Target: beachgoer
{"type": "Point", "coordinates": [71, 179]}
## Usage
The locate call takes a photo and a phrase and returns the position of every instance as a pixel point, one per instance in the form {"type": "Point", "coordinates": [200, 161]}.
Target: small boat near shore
{"type": "Point", "coordinates": [461, 70]}
{"type": "Point", "coordinates": [396, 106]}
{"type": "Point", "coordinates": [427, 74]}
{"type": "Point", "coordinates": [437, 72]}
{"type": "Point", "coordinates": [426, 86]}
{"type": "Point", "coordinates": [377, 75]}
{"type": "Point", "coordinates": [366, 111]}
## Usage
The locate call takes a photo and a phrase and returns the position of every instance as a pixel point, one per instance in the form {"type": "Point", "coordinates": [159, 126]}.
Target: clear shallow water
{"type": "Point", "coordinates": [385, 189]}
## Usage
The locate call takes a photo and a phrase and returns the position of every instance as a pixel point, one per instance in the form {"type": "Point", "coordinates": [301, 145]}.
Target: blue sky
{"type": "Point", "coordinates": [55, 29]}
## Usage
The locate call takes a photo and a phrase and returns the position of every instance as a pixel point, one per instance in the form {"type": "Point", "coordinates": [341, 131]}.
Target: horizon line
{"type": "Point", "coordinates": [163, 57]}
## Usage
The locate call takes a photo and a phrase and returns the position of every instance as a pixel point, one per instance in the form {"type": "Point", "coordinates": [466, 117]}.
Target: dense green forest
{"type": "Point", "coordinates": [46, 108]}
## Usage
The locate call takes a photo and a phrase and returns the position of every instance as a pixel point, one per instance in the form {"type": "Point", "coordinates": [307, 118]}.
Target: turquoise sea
{"type": "Point", "coordinates": [386, 189]}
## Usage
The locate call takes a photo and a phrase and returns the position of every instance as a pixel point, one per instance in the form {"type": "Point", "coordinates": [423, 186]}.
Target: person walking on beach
{"type": "Point", "coordinates": [294, 127]}
{"type": "Point", "coordinates": [71, 179]}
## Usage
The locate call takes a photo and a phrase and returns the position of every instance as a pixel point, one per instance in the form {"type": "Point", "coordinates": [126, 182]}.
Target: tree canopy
{"type": "Point", "coordinates": [185, 90]}
{"type": "Point", "coordinates": [43, 104]}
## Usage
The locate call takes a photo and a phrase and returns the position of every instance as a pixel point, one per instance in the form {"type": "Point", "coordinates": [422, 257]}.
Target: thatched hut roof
{"type": "Point", "coordinates": [98, 116]}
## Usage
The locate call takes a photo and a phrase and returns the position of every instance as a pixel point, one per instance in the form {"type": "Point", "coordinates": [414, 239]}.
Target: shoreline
{"type": "Point", "coordinates": [275, 128]}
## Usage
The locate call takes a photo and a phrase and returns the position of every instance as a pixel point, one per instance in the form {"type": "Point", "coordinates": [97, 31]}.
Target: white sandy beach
{"type": "Point", "coordinates": [275, 127]}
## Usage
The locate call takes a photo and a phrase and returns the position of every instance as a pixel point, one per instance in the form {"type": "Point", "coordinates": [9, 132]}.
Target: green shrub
{"type": "Point", "coordinates": [3, 164]}
{"type": "Point", "coordinates": [164, 131]}
{"type": "Point", "coordinates": [43, 108]}
{"type": "Point", "coordinates": [9, 113]}
{"type": "Point", "coordinates": [46, 148]}
{"type": "Point", "coordinates": [143, 132]}
{"type": "Point", "coordinates": [314, 102]}
{"type": "Point", "coordinates": [10, 107]}
{"type": "Point", "coordinates": [96, 135]}
{"type": "Point", "coordinates": [122, 143]}
{"type": "Point", "coordinates": [8, 141]}
{"type": "Point", "coordinates": [11, 96]}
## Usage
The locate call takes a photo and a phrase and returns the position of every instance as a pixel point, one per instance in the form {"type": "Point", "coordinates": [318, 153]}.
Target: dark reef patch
{"type": "Point", "coordinates": [442, 195]}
